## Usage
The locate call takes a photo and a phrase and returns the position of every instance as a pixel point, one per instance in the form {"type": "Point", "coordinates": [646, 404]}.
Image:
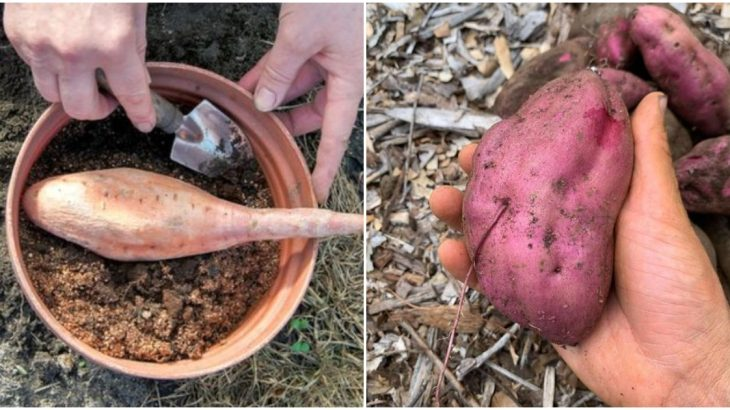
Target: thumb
{"type": "Point", "coordinates": [279, 72]}
{"type": "Point", "coordinates": [654, 189]}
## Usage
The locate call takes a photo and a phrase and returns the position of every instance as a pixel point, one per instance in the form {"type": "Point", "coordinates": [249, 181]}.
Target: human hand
{"type": "Point", "coordinates": [664, 336]}
{"type": "Point", "coordinates": [315, 42]}
{"type": "Point", "coordinates": [64, 44]}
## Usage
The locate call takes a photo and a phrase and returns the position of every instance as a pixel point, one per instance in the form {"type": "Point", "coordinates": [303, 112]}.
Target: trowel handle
{"type": "Point", "coordinates": [168, 117]}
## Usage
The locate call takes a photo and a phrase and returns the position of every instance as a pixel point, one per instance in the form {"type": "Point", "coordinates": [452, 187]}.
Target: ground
{"type": "Point", "coordinates": [449, 62]}
{"type": "Point", "coordinates": [315, 361]}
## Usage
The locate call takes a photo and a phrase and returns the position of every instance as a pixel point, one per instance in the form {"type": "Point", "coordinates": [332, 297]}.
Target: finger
{"type": "Point", "coordinates": [654, 190]}
{"type": "Point", "coordinates": [305, 119]}
{"type": "Point", "coordinates": [455, 259]}
{"type": "Point", "coordinates": [128, 82]}
{"type": "Point", "coordinates": [81, 98]}
{"type": "Point", "coordinates": [340, 112]}
{"type": "Point", "coordinates": [46, 82]}
{"type": "Point", "coordinates": [277, 74]}
{"type": "Point", "coordinates": [446, 203]}
{"type": "Point", "coordinates": [307, 77]}
{"type": "Point", "coordinates": [465, 157]}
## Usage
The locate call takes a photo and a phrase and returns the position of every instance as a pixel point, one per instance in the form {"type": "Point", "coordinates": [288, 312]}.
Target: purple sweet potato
{"type": "Point", "coordinates": [694, 78]}
{"type": "Point", "coordinates": [631, 88]}
{"type": "Point", "coordinates": [570, 56]}
{"type": "Point", "coordinates": [614, 44]}
{"type": "Point", "coordinates": [704, 176]}
{"type": "Point", "coordinates": [540, 208]}
{"type": "Point", "coordinates": [589, 21]}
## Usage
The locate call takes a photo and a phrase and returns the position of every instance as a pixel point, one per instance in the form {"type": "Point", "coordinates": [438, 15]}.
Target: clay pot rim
{"type": "Point", "coordinates": [291, 186]}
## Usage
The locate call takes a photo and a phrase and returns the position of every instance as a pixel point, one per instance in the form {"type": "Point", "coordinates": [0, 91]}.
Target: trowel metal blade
{"type": "Point", "coordinates": [209, 142]}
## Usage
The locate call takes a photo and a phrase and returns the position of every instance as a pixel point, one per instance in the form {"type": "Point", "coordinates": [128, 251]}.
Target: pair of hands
{"type": "Point", "coordinates": [65, 43]}
{"type": "Point", "coordinates": [664, 336]}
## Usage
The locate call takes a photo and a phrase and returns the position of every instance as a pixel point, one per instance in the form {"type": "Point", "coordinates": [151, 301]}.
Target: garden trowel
{"type": "Point", "coordinates": [206, 140]}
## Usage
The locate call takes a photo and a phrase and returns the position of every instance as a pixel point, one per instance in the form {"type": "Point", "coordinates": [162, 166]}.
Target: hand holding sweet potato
{"type": "Point", "coordinates": [666, 291]}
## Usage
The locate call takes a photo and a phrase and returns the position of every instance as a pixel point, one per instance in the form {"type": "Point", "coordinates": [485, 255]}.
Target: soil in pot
{"type": "Point", "coordinates": [153, 311]}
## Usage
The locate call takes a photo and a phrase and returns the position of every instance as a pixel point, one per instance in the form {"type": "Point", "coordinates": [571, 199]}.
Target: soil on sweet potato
{"type": "Point", "coordinates": [153, 311]}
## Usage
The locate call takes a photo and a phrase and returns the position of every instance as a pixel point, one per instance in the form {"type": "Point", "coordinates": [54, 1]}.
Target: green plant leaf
{"type": "Point", "coordinates": [301, 347]}
{"type": "Point", "coordinates": [299, 324]}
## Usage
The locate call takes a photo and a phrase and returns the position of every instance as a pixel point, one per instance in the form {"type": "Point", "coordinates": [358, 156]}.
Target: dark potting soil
{"type": "Point", "coordinates": [153, 311]}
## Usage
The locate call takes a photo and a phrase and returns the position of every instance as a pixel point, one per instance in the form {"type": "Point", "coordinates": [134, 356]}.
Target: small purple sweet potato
{"type": "Point", "coordinates": [694, 78]}
{"type": "Point", "coordinates": [631, 88]}
{"type": "Point", "coordinates": [614, 44]}
{"type": "Point", "coordinates": [704, 176]}
{"type": "Point", "coordinates": [541, 205]}
{"type": "Point", "coordinates": [570, 56]}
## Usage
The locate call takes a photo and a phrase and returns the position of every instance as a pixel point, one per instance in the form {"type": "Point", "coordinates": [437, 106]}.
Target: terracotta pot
{"type": "Point", "coordinates": [287, 175]}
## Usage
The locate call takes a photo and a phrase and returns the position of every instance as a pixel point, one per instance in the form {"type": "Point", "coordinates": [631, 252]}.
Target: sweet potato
{"type": "Point", "coordinates": [540, 208]}
{"type": "Point", "coordinates": [132, 215]}
{"type": "Point", "coordinates": [704, 176]}
{"type": "Point", "coordinates": [568, 57]}
{"type": "Point", "coordinates": [614, 45]}
{"type": "Point", "coordinates": [631, 88]}
{"type": "Point", "coordinates": [694, 78]}
{"type": "Point", "coordinates": [589, 21]}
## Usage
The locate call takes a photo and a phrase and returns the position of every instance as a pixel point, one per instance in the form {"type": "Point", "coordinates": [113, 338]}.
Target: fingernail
{"type": "Point", "coordinates": [265, 99]}
{"type": "Point", "coordinates": [663, 103]}
{"type": "Point", "coordinates": [145, 126]}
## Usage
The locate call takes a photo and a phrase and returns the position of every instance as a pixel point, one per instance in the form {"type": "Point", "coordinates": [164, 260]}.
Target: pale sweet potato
{"type": "Point", "coordinates": [694, 78]}
{"type": "Point", "coordinates": [570, 56]}
{"type": "Point", "coordinates": [704, 176]}
{"type": "Point", "coordinates": [541, 205]}
{"type": "Point", "coordinates": [133, 215]}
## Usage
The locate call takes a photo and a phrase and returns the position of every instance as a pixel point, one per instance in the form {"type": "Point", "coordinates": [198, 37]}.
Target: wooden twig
{"type": "Point", "coordinates": [488, 392]}
{"type": "Point", "coordinates": [421, 372]}
{"type": "Point", "coordinates": [469, 364]}
{"type": "Point", "coordinates": [583, 400]}
{"type": "Point", "coordinates": [419, 295]}
{"type": "Point", "coordinates": [453, 21]}
{"type": "Point", "coordinates": [548, 387]}
{"type": "Point", "coordinates": [439, 364]}
{"type": "Point", "coordinates": [515, 378]}
{"type": "Point", "coordinates": [409, 151]}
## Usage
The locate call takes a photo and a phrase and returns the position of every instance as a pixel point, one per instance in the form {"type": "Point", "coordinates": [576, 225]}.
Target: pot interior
{"type": "Point", "coordinates": [290, 184]}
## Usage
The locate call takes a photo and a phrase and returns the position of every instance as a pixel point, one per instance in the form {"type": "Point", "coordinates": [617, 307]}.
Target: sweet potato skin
{"type": "Point", "coordinates": [614, 44]}
{"type": "Point", "coordinates": [559, 171]}
{"type": "Point", "coordinates": [128, 214]}
{"type": "Point", "coordinates": [570, 56]}
{"type": "Point", "coordinates": [631, 88]}
{"type": "Point", "coordinates": [704, 176]}
{"type": "Point", "coordinates": [694, 78]}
